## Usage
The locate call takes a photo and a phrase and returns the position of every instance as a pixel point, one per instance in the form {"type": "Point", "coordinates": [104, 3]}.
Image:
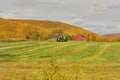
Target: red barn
{"type": "Point", "coordinates": [80, 38]}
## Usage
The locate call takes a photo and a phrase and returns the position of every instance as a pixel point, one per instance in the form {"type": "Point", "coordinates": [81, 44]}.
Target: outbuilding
{"type": "Point", "coordinates": [80, 37]}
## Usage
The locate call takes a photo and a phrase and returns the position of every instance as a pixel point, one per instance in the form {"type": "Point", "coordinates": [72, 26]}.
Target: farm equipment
{"type": "Point", "coordinates": [61, 38]}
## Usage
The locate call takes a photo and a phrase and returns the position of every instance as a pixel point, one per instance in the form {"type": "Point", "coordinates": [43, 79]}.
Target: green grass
{"type": "Point", "coordinates": [30, 60]}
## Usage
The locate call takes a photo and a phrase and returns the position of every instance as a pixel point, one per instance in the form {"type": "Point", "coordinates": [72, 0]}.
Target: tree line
{"type": "Point", "coordinates": [41, 32]}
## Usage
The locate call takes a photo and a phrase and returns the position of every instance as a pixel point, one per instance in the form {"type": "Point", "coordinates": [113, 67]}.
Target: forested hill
{"type": "Point", "coordinates": [114, 37]}
{"type": "Point", "coordinates": [117, 35]}
{"type": "Point", "coordinates": [42, 29]}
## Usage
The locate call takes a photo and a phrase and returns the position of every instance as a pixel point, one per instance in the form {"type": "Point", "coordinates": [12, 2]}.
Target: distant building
{"type": "Point", "coordinates": [80, 38]}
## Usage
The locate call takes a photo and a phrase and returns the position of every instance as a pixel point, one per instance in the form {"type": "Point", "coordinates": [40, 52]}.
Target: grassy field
{"type": "Point", "coordinates": [59, 61]}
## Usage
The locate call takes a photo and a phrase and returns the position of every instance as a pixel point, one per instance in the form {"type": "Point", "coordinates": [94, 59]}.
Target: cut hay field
{"type": "Point", "coordinates": [32, 60]}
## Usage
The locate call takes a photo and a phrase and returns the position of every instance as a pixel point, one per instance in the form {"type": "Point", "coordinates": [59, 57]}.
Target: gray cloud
{"type": "Point", "coordinates": [100, 16]}
{"type": "Point", "coordinates": [104, 5]}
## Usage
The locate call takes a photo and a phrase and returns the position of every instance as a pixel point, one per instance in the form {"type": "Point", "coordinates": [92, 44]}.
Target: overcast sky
{"type": "Point", "coordinates": [99, 16]}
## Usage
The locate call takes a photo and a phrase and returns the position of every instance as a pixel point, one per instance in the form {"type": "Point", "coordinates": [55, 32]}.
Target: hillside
{"type": "Point", "coordinates": [7, 27]}
{"type": "Point", "coordinates": [42, 29]}
{"type": "Point", "coordinates": [117, 35]}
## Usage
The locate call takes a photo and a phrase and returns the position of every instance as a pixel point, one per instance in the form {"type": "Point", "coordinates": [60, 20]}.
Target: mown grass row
{"type": "Point", "coordinates": [59, 61]}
